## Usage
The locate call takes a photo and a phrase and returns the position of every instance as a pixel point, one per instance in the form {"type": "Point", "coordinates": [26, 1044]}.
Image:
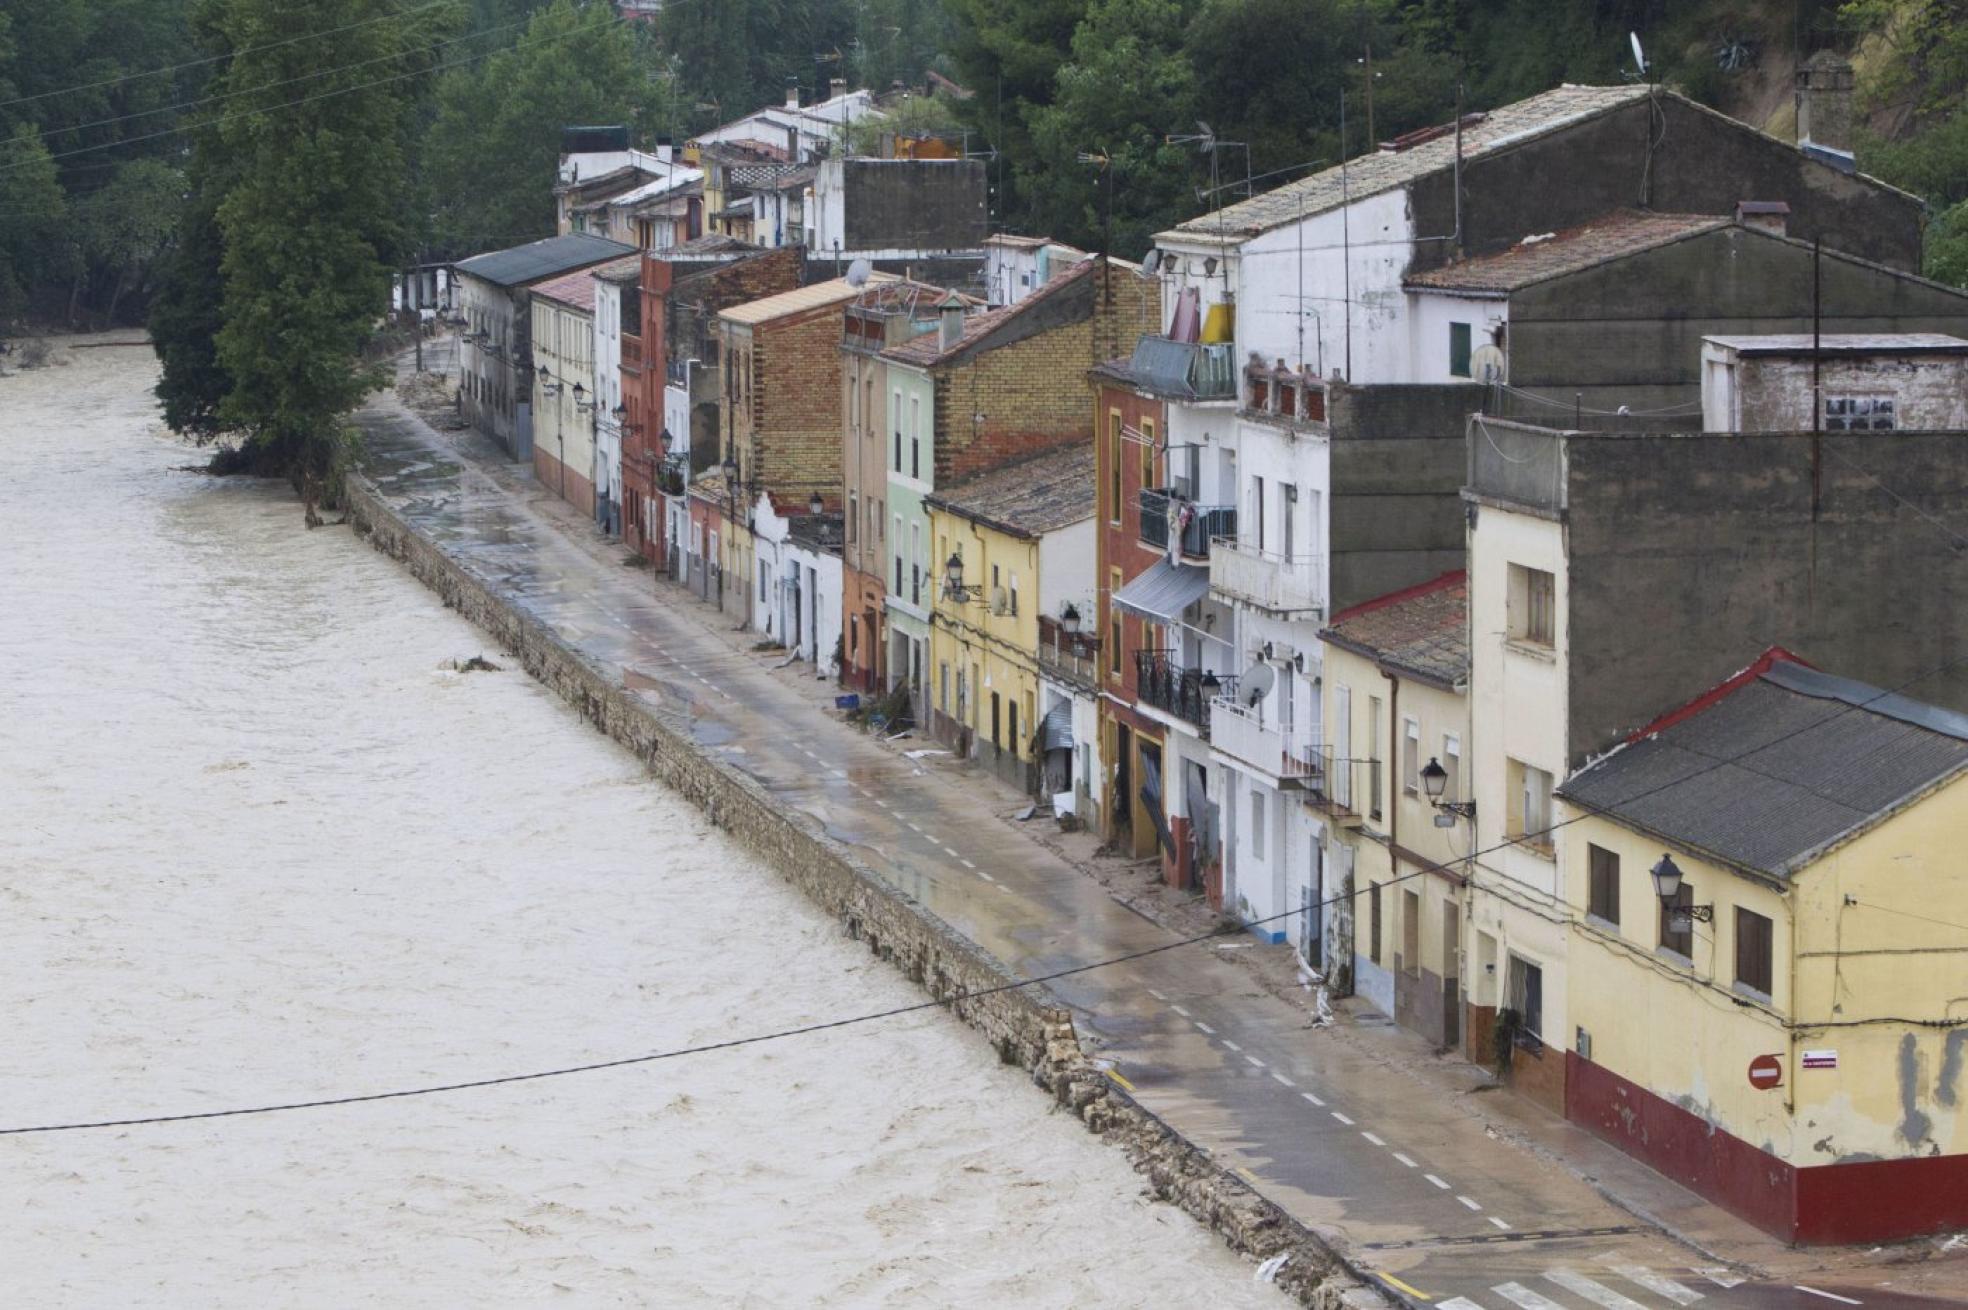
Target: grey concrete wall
{"type": "Point", "coordinates": [1398, 463]}
{"type": "Point", "coordinates": [915, 204]}
{"type": "Point", "coordinates": [1025, 1024]}
{"type": "Point", "coordinates": [1633, 328]}
{"type": "Point", "coordinates": [1928, 391]}
{"type": "Point", "coordinates": [1671, 156]}
{"type": "Point", "coordinates": [1691, 554]}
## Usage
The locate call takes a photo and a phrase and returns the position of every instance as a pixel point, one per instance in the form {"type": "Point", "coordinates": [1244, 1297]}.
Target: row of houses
{"type": "Point", "coordinates": [1514, 599]}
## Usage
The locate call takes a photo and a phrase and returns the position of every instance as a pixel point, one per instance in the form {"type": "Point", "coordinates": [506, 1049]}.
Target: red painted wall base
{"type": "Point", "coordinates": [1870, 1201]}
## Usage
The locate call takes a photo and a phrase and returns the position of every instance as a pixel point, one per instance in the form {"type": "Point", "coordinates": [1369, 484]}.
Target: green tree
{"type": "Point", "coordinates": [1008, 53]}
{"type": "Point", "coordinates": [186, 316]}
{"type": "Point", "coordinates": [312, 221]}
{"type": "Point", "coordinates": [491, 152]}
{"type": "Point", "coordinates": [35, 248]}
{"type": "Point", "coordinates": [123, 229]}
{"type": "Point", "coordinates": [1126, 88]}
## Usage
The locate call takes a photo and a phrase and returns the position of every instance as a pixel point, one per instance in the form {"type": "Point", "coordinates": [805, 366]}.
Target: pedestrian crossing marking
{"type": "Point", "coordinates": [1597, 1293]}
{"type": "Point", "coordinates": [1519, 1295]}
{"type": "Point", "coordinates": [1654, 1283]}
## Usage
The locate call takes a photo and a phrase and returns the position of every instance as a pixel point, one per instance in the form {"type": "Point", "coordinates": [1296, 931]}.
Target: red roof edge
{"type": "Point", "coordinates": [1442, 583]}
{"type": "Point", "coordinates": [1773, 655]}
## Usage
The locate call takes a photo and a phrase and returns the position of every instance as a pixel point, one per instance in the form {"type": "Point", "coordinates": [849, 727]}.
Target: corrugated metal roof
{"type": "Point", "coordinates": [1163, 592]}
{"type": "Point", "coordinates": [1384, 171]}
{"type": "Point", "coordinates": [538, 260]}
{"type": "Point", "coordinates": [1774, 771]}
{"type": "Point", "coordinates": [1536, 259]}
{"type": "Point", "coordinates": [818, 295]}
{"type": "Point", "coordinates": [1845, 343]}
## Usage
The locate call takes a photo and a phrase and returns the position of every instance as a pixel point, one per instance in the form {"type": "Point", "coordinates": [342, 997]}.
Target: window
{"type": "Point", "coordinates": [1373, 757]}
{"type": "Point", "coordinates": [1114, 466]}
{"type": "Point", "coordinates": [943, 686]}
{"type": "Point", "coordinates": [1533, 604]}
{"type": "Point", "coordinates": [1602, 898]}
{"type": "Point", "coordinates": [1458, 350]}
{"type": "Point", "coordinates": [1014, 595]}
{"type": "Point", "coordinates": [1526, 997]}
{"type": "Point", "coordinates": [1373, 922]}
{"type": "Point", "coordinates": [963, 697]}
{"type": "Point", "coordinates": [853, 514]}
{"type": "Point", "coordinates": [1452, 765]}
{"type": "Point", "coordinates": [1113, 627]}
{"type": "Point", "coordinates": [1012, 730]}
{"type": "Point", "coordinates": [1257, 824]}
{"type": "Point", "coordinates": [1677, 928]}
{"type": "Point", "coordinates": [1411, 933]}
{"type": "Point", "coordinates": [1754, 943]}
{"type": "Point", "coordinates": [1530, 805]}
{"type": "Point", "coordinates": [915, 437]}
{"type": "Point", "coordinates": [1411, 759]}
{"type": "Point", "coordinates": [1859, 414]}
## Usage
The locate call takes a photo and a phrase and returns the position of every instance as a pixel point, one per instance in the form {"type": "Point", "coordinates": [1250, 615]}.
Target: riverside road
{"type": "Point", "coordinates": [1416, 1189]}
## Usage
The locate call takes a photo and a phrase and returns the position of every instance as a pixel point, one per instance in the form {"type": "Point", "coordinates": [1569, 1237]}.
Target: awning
{"type": "Point", "coordinates": [1057, 732]}
{"type": "Point", "coordinates": [1164, 591]}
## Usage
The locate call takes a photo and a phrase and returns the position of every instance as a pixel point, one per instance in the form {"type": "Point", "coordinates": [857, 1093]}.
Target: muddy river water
{"type": "Point", "coordinates": [260, 843]}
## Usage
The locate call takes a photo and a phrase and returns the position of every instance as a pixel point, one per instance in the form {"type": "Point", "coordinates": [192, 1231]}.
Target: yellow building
{"type": "Point", "coordinates": [1013, 544]}
{"type": "Point", "coordinates": [1788, 1036]}
{"type": "Point", "coordinates": [1392, 783]}
{"type": "Point", "coordinates": [563, 387]}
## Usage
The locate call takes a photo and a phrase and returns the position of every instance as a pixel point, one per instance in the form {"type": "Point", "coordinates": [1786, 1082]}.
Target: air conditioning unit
{"type": "Point", "coordinates": [1000, 603]}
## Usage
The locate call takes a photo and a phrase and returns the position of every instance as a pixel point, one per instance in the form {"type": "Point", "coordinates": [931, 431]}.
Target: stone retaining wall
{"type": "Point", "coordinates": [1024, 1024]}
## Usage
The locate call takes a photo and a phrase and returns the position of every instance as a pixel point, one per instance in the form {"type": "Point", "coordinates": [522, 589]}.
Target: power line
{"type": "Point", "coordinates": [613, 20]}
{"type": "Point", "coordinates": [268, 86]}
{"type": "Point", "coordinates": [230, 54]}
{"type": "Point", "coordinates": [894, 1011]}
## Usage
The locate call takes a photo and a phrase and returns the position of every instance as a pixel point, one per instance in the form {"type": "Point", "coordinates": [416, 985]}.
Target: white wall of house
{"type": "Point", "coordinates": [1068, 559]}
{"type": "Point", "coordinates": [815, 619]}
{"type": "Point", "coordinates": [1431, 319]}
{"type": "Point", "coordinates": [607, 390]}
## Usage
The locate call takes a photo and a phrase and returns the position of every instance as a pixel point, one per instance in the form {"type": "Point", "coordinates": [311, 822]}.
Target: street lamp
{"type": "Point", "coordinates": [581, 401]}
{"type": "Point", "coordinates": [1435, 782]}
{"type": "Point", "coordinates": [548, 387]}
{"type": "Point", "coordinates": [1069, 620]}
{"type": "Point", "coordinates": [1667, 886]}
{"type": "Point", "coordinates": [953, 583]}
{"type": "Point", "coordinates": [815, 505]}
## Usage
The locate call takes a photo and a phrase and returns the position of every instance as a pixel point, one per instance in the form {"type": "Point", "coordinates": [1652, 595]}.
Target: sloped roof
{"type": "Point", "coordinates": [1537, 259]}
{"type": "Point", "coordinates": [1372, 174]}
{"type": "Point", "coordinates": [538, 260]}
{"type": "Point", "coordinates": [1774, 767]}
{"type": "Point", "coordinates": [626, 269]}
{"type": "Point", "coordinates": [575, 290]}
{"type": "Point", "coordinates": [819, 295]}
{"type": "Point", "coordinates": [1031, 496]}
{"type": "Point", "coordinates": [1422, 632]}
{"type": "Point", "coordinates": [928, 350]}
{"type": "Point", "coordinates": [1844, 343]}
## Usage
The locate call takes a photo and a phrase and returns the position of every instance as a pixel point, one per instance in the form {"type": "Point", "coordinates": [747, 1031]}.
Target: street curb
{"type": "Point", "coordinates": [1025, 1024]}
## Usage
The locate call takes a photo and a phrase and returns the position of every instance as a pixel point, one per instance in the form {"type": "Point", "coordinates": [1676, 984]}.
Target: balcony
{"type": "Point", "coordinates": [1345, 790]}
{"type": "Point", "coordinates": [1185, 370]}
{"type": "Point", "coordinates": [1195, 526]}
{"type": "Point", "coordinates": [631, 350]}
{"type": "Point", "coordinates": [1290, 585]}
{"type": "Point", "coordinates": [1074, 659]}
{"type": "Point", "coordinates": [1185, 693]}
{"type": "Point", "coordinates": [1288, 754]}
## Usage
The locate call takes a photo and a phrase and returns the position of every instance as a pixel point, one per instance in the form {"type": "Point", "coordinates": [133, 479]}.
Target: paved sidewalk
{"type": "Point", "coordinates": [1453, 1194]}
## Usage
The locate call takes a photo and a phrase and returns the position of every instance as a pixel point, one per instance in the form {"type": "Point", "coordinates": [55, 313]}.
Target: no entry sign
{"type": "Point", "coordinates": [1765, 1072]}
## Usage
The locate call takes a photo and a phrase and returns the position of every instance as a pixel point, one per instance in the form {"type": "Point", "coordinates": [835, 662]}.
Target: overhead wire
{"type": "Point", "coordinates": [362, 1098]}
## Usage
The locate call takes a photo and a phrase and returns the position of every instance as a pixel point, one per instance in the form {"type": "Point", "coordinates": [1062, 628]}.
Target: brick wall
{"type": "Point", "coordinates": [795, 446]}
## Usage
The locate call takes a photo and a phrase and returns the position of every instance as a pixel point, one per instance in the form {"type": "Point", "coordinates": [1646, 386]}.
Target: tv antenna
{"type": "Point", "coordinates": [1639, 58]}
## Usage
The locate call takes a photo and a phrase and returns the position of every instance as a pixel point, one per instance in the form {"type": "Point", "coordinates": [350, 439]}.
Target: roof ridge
{"type": "Point", "coordinates": [1441, 583]}
{"type": "Point", "coordinates": [1735, 682]}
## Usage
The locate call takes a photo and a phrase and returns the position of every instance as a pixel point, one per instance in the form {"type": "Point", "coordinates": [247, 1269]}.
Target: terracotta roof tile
{"type": "Point", "coordinates": [1535, 259]}
{"type": "Point", "coordinates": [1422, 632]}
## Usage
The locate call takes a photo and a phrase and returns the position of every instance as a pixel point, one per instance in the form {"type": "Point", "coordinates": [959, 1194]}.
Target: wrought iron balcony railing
{"type": "Point", "coordinates": [1184, 692]}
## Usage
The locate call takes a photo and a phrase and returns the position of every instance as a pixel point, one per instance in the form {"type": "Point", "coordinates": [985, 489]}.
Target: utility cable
{"type": "Point", "coordinates": [230, 54]}
{"type": "Point", "coordinates": [892, 1012]}
{"type": "Point", "coordinates": [324, 95]}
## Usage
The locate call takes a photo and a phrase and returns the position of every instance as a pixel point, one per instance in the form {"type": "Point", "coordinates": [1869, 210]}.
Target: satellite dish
{"type": "Point", "coordinates": [1151, 263]}
{"type": "Point", "coordinates": [859, 272]}
{"type": "Point", "coordinates": [1488, 365]}
{"type": "Point", "coordinates": [1639, 55]}
{"type": "Point", "coordinates": [1256, 683]}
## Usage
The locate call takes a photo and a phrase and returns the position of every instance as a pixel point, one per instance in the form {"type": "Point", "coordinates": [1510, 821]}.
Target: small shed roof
{"type": "Point", "coordinates": [1538, 258]}
{"type": "Point", "coordinates": [1775, 766]}
{"type": "Point", "coordinates": [1029, 497]}
{"type": "Point", "coordinates": [1422, 632]}
{"type": "Point", "coordinates": [539, 260]}
{"type": "Point", "coordinates": [1845, 343]}
{"type": "Point", "coordinates": [800, 299]}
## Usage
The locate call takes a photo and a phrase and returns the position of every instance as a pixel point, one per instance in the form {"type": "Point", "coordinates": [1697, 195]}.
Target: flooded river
{"type": "Point", "coordinates": [260, 843]}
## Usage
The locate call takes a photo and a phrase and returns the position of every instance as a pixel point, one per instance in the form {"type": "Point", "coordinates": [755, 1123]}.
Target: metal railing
{"type": "Point", "coordinates": [1073, 659]}
{"type": "Point", "coordinates": [1270, 580]}
{"type": "Point", "coordinates": [1184, 692]}
{"type": "Point", "coordinates": [1194, 526]}
{"type": "Point", "coordinates": [1282, 751]}
{"type": "Point", "coordinates": [1347, 789]}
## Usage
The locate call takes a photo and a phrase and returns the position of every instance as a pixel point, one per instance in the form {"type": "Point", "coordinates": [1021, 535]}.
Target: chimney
{"type": "Point", "coordinates": [792, 93]}
{"type": "Point", "coordinates": [1824, 102]}
{"type": "Point", "coordinates": [1772, 216]}
{"type": "Point", "coordinates": [836, 88]}
{"type": "Point", "coordinates": [952, 324]}
{"type": "Point", "coordinates": [665, 150]}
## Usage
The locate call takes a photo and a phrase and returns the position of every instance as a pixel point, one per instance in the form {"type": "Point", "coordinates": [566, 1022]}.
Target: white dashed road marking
{"type": "Point", "coordinates": [1157, 995]}
{"type": "Point", "coordinates": [1471, 1204]}
{"type": "Point", "coordinates": [1179, 1010]}
{"type": "Point", "coordinates": [1375, 1140]}
{"type": "Point", "coordinates": [966, 863]}
{"type": "Point", "coordinates": [1499, 1223]}
{"type": "Point", "coordinates": [1597, 1293]}
{"type": "Point", "coordinates": [1404, 1160]}
{"type": "Point", "coordinates": [1342, 1118]}
{"type": "Point", "coordinates": [1281, 1078]}
{"type": "Point", "coordinates": [1205, 1027]}
{"type": "Point", "coordinates": [1232, 1045]}
{"type": "Point", "coordinates": [1829, 1296]}
{"type": "Point", "coordinates": [1315, 1100]}
{"type": "Point", "coordinates": [1254, 1060]}
{"type": "Point", "coordinates": [1519, 1295]}
{"type": "Point", "coordinates": [1438, 1182]}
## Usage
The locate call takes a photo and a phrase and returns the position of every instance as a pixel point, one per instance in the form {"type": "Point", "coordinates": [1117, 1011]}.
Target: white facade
{"type": "Point", "coordinates": [819, 125]}
{"type": "Point", "coordinates": [796, 589]}
{"type": "Point", "coordinates": [607, 390]}
{"type": "Point", "coordinates": [1015, 267]}
{"type": "Point", "coordinates": [563, 424]}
